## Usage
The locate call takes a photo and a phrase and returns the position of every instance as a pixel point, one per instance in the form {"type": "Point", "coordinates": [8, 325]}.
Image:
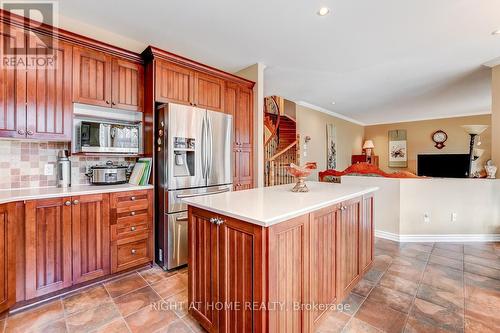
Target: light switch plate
{"type": "Point", "coordinates": [49, 169]}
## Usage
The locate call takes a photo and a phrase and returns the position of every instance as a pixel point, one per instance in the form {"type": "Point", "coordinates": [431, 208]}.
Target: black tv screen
{"type": "Point", "coordinates": [443, 165]}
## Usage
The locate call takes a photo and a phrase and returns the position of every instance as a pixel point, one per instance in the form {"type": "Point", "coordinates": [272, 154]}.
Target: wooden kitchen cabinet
{"type": "Point", "coordinates": [243, 118]}
{"type": "Point", "coordinates": [91, 77]}
{"type": "Point", "coordinates": [224, 255]}
{"type": "Point", "coordinates": [7, 256]}
{"type": "Point", "coordinates": [323, 232]}
{"type": "Point", "coordinates": [243, 169]}
{"type": "Point", "coordinates": [90, 234]}
{"type": "Point", "coordinates": [49, 104]}
{"type": "Point", "coordinates": [127, 85]}
{"type": "Point", "coordinates": [348, 245]}
{"type": "Point", "coordinates": [366, 235]}
{"type": "Point", "coordinates": [208, 92]}
{"type": "Point", "coordinates": [102, 80]}
{"type": "Point", "coordinates": [12, 85]}
{"type": "Point", "coordinates": [174, 84]}
{"type": "Point", "coordinates": [48, 246]}
{"type": "Point", "coordinates": [131, 218]}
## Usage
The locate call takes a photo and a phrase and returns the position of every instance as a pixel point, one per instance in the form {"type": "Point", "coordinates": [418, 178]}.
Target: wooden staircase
{"type": "Point", "coordinates": [282, 145]}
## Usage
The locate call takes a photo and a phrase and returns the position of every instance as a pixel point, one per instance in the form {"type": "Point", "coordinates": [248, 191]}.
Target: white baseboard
{"type": "Point", "coordinates": [438, 238]}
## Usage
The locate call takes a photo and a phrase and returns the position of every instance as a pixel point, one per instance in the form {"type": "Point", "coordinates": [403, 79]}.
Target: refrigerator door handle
{"type": "Point", "coordinates": [210, 149]}
{"type": "Point", "coordinates": [182, 196]}
{"type": "Point", "coordinates": [204, 148]}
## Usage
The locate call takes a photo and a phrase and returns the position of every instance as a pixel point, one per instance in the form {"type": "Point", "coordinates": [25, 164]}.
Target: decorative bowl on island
{"type": "Point", "coordinates": [301, 173]}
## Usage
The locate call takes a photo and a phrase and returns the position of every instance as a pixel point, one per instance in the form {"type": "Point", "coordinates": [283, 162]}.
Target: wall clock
{"type": "Point", "coordinates": [439, 138]}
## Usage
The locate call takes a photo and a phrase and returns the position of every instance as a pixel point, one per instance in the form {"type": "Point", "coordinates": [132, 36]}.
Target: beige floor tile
{"type": "Point", "coordinates": [36, 317]}
{"type": "Point", "coordinates": [85, 299]}
{"type": "Point", "coordinates": [151, 318]}
{"type": "Point", "coordinates": [125, 285]}
{"type": "Point", "coordinates": [136, 300]}
{"type": "Point", "coordinates": [92, 319]}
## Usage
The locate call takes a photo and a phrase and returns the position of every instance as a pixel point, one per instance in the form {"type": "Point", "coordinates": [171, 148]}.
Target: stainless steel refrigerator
{"type": "Point", "coordinates": [193, 158]}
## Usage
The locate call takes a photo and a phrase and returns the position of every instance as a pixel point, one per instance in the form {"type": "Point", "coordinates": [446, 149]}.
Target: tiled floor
{"type": "Point", "coordinates": [412, 287]}
{"type": "Point", "coordinates": [146, 301]}
{"type": "Point", "coordinates": [425, 287]}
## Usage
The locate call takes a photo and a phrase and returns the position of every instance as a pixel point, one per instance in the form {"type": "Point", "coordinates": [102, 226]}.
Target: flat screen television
{"type": "Point", "coordinates": [443, 165]}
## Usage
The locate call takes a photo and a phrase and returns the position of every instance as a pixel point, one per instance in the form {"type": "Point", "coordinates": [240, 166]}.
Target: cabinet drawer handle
{"type": "Point", "coordinates": [30, 132]}
{"type": "Point", "coordinates": [132, 213]}
{"type": "Point", "coordinates": [113, 103]}
{"type": "Point", "coordinates": [20, 132]}
{"type": "Point", "coordinates": [107, 102]}
{"type": "Point", "coordinates": [132, 198]}
{"type": "Point", "coordinates": [76, 202]}
{"type": "Point", "coordinates": [132, 229]}
{"type": "Point", "coordinates": [216, 221]}
{"type": "Point", "coordinates": [67, 203]}
{"type": "Point", "coordinates": [134, 251]}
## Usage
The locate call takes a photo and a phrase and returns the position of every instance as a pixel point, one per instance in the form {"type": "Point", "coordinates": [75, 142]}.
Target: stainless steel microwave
{"type": "Point", "coordinates": [108, 137]}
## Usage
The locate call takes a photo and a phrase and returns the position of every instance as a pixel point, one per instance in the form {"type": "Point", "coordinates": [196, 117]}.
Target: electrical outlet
{"type": "Point", "coordinates": [49, 169]}
{"type": "Point", "coordinates": [427, 217]}
{"type": "Point", "coordinates": [454, 217]}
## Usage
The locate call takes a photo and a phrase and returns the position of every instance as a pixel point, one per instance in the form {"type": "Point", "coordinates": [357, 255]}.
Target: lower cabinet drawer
{"type": "Point", "coordinates": [130, 252]}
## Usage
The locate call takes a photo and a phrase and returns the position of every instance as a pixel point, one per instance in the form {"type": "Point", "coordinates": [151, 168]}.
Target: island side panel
{"type": "Point", "coordinates": [242, 284]}
{"type": "Point", "coordinates": [288, 257]}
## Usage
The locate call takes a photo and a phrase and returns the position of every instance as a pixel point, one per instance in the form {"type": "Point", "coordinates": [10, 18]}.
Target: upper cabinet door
{"type": "Point", "coordinates": [49, 103]}
{"type": "Point", "coordinates": [12, 84]}
{"type": "Point", "coordinates": [173, 84]}
{"type": "Point", "coordinates": [209, 92]}
{"type": "Point", "coordinates": [91, 77]}
{"type": "Point", "coordinates": [244, 118]}
{"type": "Point", "coordinates": [127, 85]}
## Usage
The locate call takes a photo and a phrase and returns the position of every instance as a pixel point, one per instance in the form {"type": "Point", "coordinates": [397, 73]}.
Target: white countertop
{"type": "Point", "coordinates": [270, 205]}
{"type": "Point", "coordinates": [22, 194]}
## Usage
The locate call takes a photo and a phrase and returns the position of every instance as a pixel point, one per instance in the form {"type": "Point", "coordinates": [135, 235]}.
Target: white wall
{"type": "Point", "coordinates": [387, 208]}
{"type": "Point", "coordinates": [400, 205]}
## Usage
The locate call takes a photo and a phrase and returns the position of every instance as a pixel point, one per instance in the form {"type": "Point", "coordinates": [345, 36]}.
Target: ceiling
{"type": "Point", "coordinates": [380, 61]}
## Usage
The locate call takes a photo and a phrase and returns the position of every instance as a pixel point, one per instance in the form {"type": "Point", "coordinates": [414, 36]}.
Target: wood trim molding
{"type": "Point", "coordinates": [365, 169]}
{"type": "Point", "coordinates": [152, 52]}
{"type": "Point", "coordinates": [67, 36]}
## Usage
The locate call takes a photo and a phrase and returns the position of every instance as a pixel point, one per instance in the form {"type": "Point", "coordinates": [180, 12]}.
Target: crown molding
{"type": "Point", "coordinates": [470, 114]}
{"type": "Point", "coordinates": [329, 112]}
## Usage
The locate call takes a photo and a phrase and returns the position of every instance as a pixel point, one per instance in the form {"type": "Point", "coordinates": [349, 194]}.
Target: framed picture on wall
{"type": "Point", "coordinates": [331, 147]}
{"type": "Point", "coordinates": [398, 151]}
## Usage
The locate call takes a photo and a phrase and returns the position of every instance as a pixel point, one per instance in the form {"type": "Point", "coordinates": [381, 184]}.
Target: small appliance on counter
{"type": "Point", "coordinates": [63, 169]}
{"type": "Point", "coordinates": [108, 174]}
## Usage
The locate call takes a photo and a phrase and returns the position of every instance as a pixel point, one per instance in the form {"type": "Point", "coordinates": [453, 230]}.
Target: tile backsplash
{"type": "Point", "coordinates": [22, 164]}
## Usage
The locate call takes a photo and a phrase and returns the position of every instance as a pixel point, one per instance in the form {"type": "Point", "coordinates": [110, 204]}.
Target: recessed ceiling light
{"type": "Point", "coordinates": [333, 102]}
{"type": "Point", "coordinates": [496, 32]}
{"type": "Point", "coordinates": [323, 11]}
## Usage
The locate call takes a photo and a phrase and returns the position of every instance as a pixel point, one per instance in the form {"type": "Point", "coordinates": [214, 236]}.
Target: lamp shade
{"type": "Point", "coordinates": [475, 129]}
{"type": "Point", "coordinates": [368, 144]}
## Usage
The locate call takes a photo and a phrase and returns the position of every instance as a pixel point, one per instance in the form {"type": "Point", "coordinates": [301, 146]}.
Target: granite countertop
{"type": "Point", "coordinates": [271, 205]}
{"type": "Point", "coordinates": [22, 194]}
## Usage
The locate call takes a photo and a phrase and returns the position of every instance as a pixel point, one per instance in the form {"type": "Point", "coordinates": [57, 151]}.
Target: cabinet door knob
{"type": "Point", "coordinates": [30, 132]}
{"type": "Point", "coordinates": [133, 251]}
{"type": "Point", "coordinates": [107, 102]}
{"type": "Point", "coordinates": [132, 228]}
{"type": "Point", "coordinates": [76, 202]}
{"type": "Point", "coordinates": [219, 221]}
{"type": "Point", "coordinates": [67, 203]}
{"type": "Point", "coordinates": [132, 213]}
{"type": "Point", "coordinates": [20, 132]}
{"type": "Point", "coordinates": [132, 198]}
{"type": "Point", "coordinates": [113, 103]}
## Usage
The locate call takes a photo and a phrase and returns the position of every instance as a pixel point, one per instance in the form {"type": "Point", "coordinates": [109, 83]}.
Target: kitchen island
{"type": "Point", "coordinates": [270, 260]}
